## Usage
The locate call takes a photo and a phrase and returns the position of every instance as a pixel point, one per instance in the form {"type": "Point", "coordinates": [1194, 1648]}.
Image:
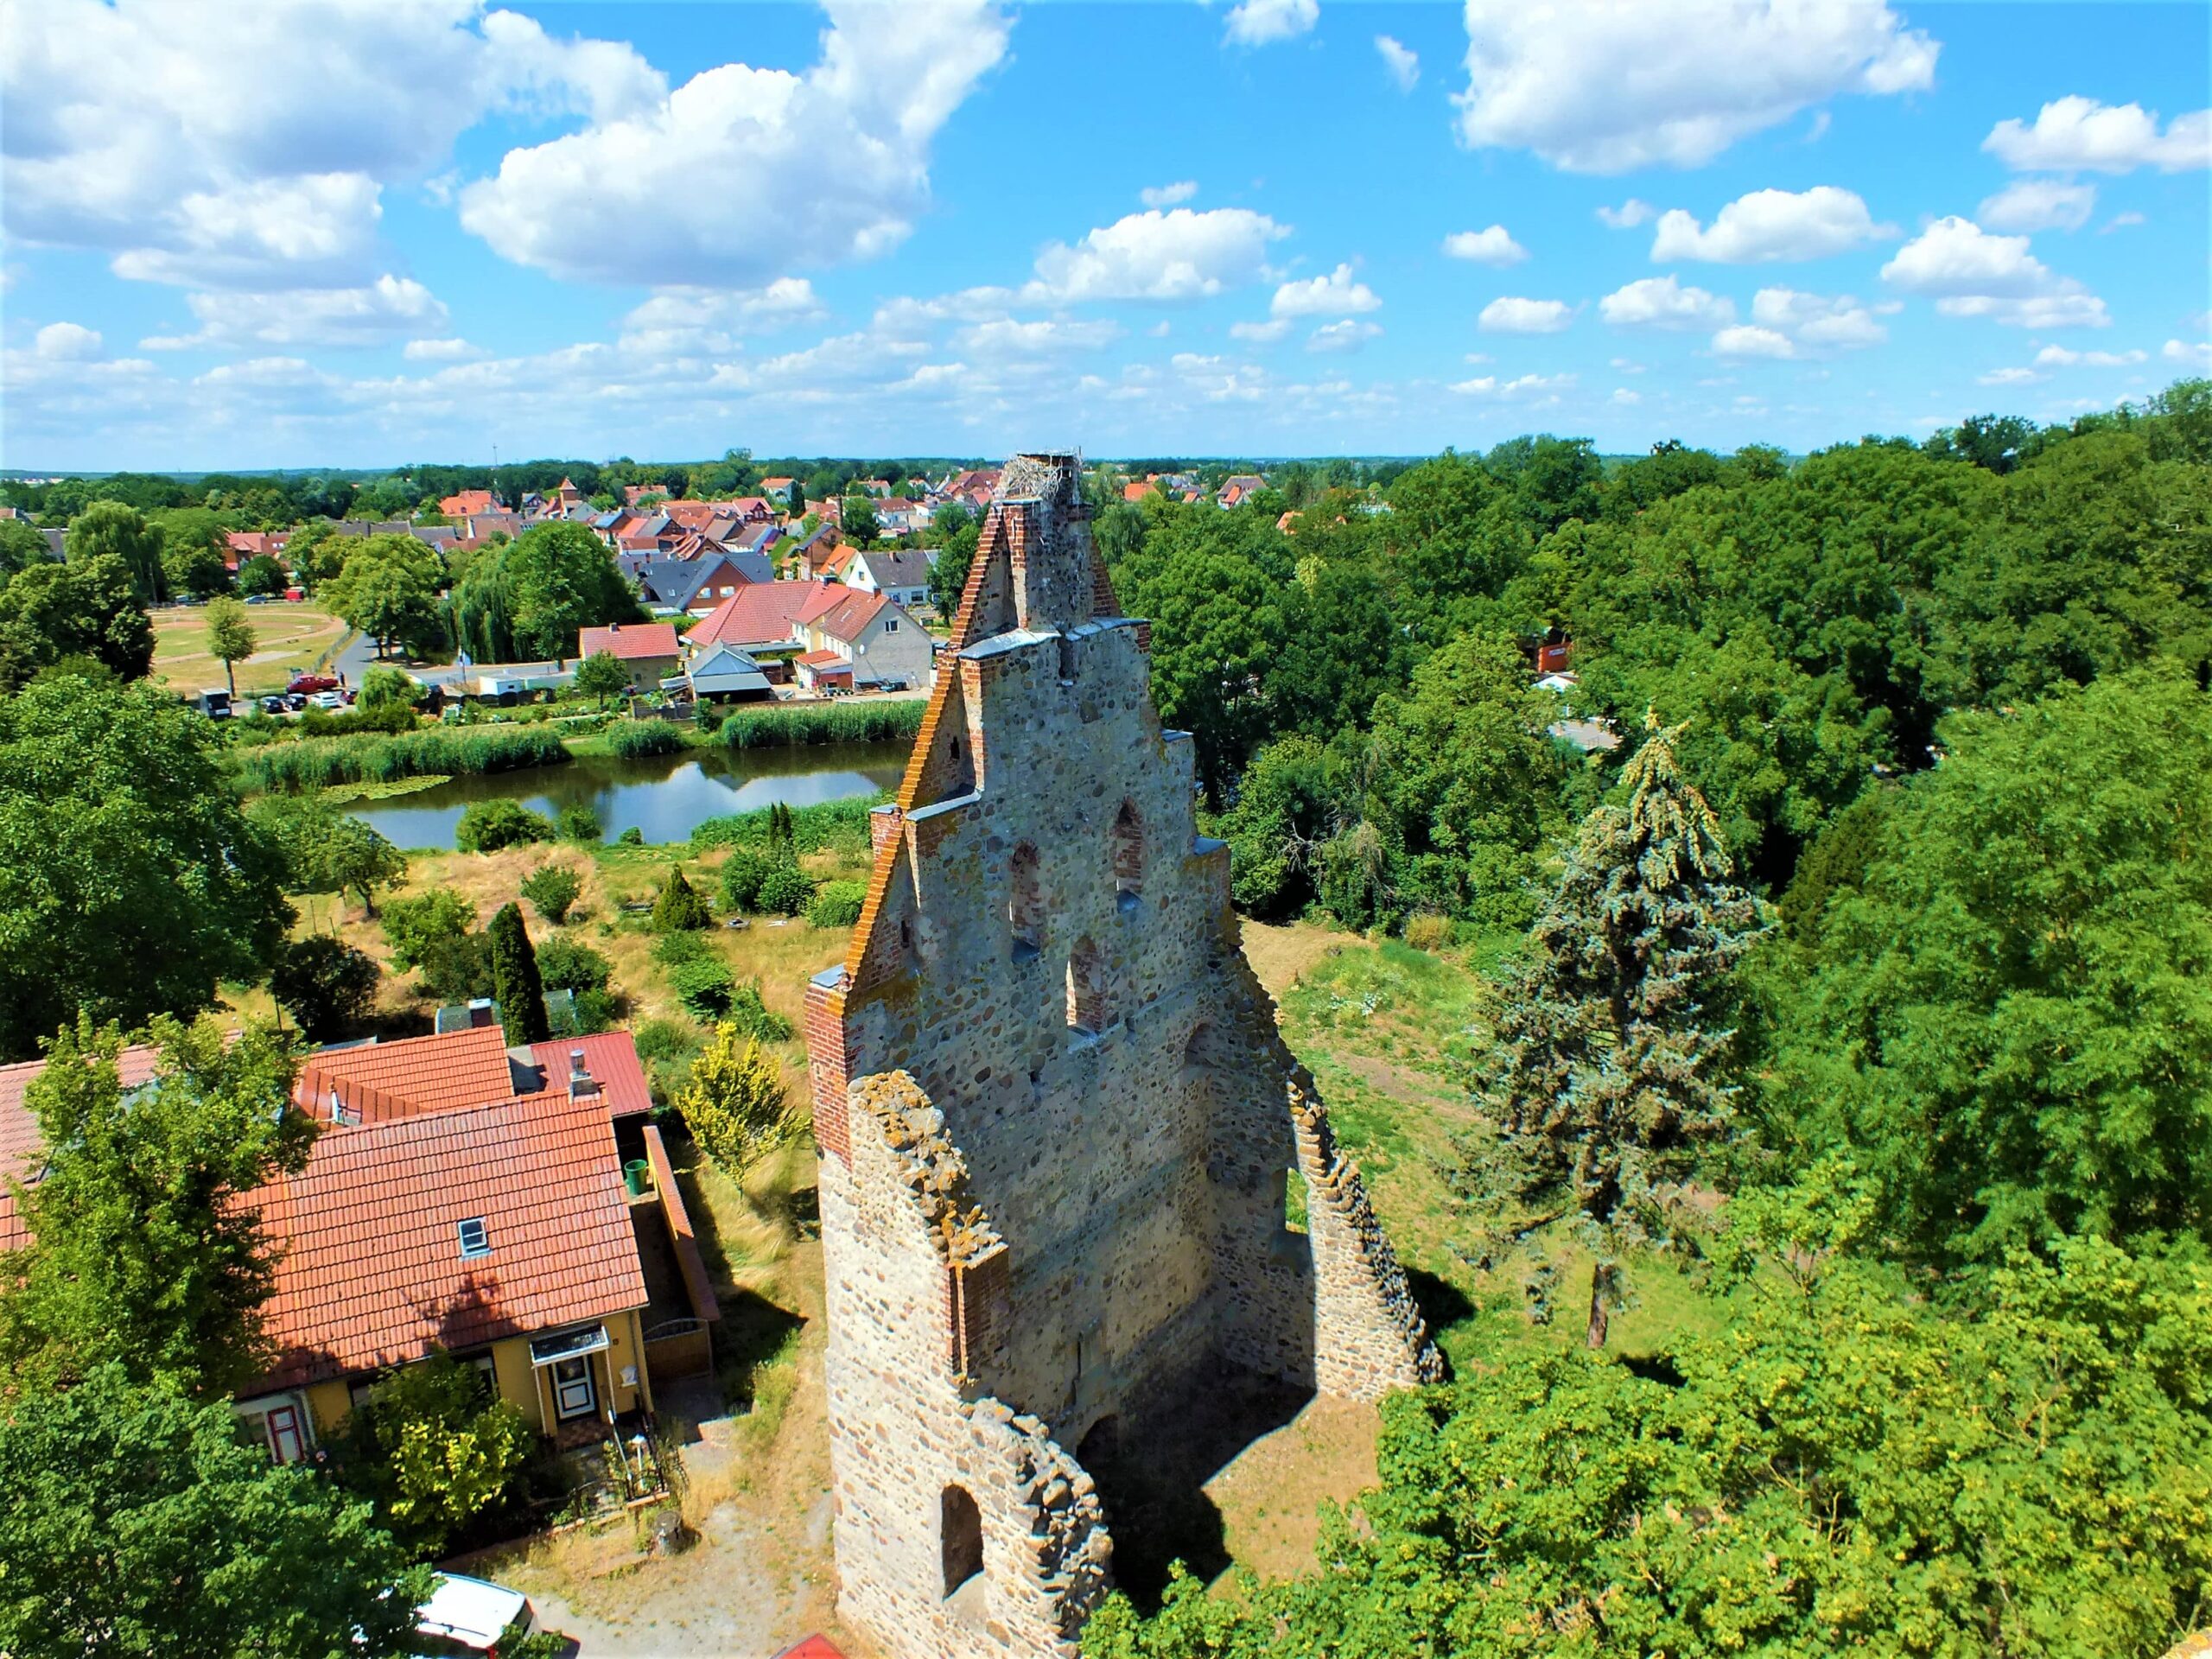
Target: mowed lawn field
{"type": "Point", "coordinates": [287, 638]}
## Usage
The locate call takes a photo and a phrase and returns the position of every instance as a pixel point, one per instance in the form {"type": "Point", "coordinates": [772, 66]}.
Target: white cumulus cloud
{"type": "Point", "coordinates": [1182, 254]}
{"type": "Point", "coordinates": [1970, 273]}
{"type": "Point", "coordinates": [1168, 196]}
{"type": "Point", "coordinates": [1526, 389]}
{"type": "Point", "coordinates": [1261, 334]}
{"type": "Point", "coordinates": [1402, 62]}
{"type": "Point", "coordinates": [2038, 204]}
{"type": "Point", "coordinates": [2080, 135]}
{"type": "Point", "coordinates": [1817, 321]}
{"type": "Point", "coordinates": [816, 168]}
{"type": "Point", "coordinates": [130, 129]}
{"type": "Point", "coordinates": [2064, 357]}
{"type": "Point", "coordinates": [1317, 296]}
{"type": "Point", "coordinates": [1348, 335]}
{"type": "Point", "coordinates": [1263, 23]}
{"type": "Point", "coordinates": [1513, 316]}
{"type": "Point", "coordinates": [1594, 86]}
{"type": "Point", "coordinates": [1492, 247]}
{"type": "Point", "coordinates": [1666, 303]}
{"type": "Point", "coordinates": [1768, 226]}
{"type": "Point", "coordinates": [376, 313]}
{"type": "Point", "coordinates": [2192, 353]}
{"type": "Point", "coordinates": [1626, 217]}
{"type": "Point", "coordinates": [67, 342]}
{"type": "Point", "coordinates": [1748, 340]}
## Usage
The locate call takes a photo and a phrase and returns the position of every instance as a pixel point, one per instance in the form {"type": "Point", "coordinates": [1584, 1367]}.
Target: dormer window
{"type": "Point", "coordinates": [475, 1237]}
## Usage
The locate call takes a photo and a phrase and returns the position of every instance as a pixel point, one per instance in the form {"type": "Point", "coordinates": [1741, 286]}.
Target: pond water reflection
{"type": "Point", "coordinates": [664, 797]}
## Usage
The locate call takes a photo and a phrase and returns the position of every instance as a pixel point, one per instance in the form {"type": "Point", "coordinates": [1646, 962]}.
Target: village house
{"type": "Point", "coordinates": [765, 622]}
{"type": "Point", "coordinates": [864, 642]}
{"type": "Point", "coordinates": [469, 1198]}
{"type": "Point", "coordinates": [696, 585]}
{"type": "Point", "coordinates": [650, 651]}
{"type": "Point", "coordinates": [466, 504]}
{"type": "Point", "coordinates": [902, 575]}
{"type": "Point", "coordinates": [1235, 490]}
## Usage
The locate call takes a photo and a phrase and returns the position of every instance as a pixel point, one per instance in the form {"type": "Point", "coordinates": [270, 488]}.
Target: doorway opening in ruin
{"type": "Point", "coordinates": [963, 1531]}
{"type": "Point", "coordinates": [1087, 1009]}
{"type": "Point", "coordinates": [1025, 906]}
{"type": "Point", "coordinates": [1101, 1447]}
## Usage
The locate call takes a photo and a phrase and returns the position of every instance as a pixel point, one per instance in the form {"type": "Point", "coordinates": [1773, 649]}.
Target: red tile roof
{"type": "Point", "coordinates": [19, 1136]}
{"type": "Point", "coordinates": [818, 659]}
{"type": "Point", "coordinates": [638, 640]}
{"type": "Point", "coordinates": [611, 1057]}
{"type": "Point", "coordinates": [466, 504]}
{"type": "Point", "coordinates": [372, 1273]}
{"type": "Point", "coordinates": [762, 613]}
{"type": "Point", "coordinates": [411, 1076]}
{"type": "Point", "coordinates": [850, 615]}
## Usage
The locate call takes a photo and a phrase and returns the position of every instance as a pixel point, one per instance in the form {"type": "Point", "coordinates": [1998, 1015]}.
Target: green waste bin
{"type": "Point", "coordinates": [637, 1176]}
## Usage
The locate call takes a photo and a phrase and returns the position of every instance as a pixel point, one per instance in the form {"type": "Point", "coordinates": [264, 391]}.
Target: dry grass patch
{"type": "Point", "coordinates": [287, 637]}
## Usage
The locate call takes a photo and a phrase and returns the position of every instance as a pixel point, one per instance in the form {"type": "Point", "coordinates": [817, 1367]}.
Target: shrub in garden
{"type": "Point", "coordinates": [633, 836]}
{"type": "Point", "coordinates": [580, 824]}
{"type": "Point", "coordinates": [636, 740]}
{"type": "Point", "coordinates": [836, 904]}
{"type": "Point", "coordinates": [735, 1103]}
{"type": "Point", "coordinates": [672, 949]}
{"type": "Point", "coordinates": [564, 965]}
{"type": "Point", "coordinates": [454, 970]}
{"type": "Point", "coordinates": [325, 984]}
{"type": "Point", "coordinates": [666, 1040]}
{"type": "Point", "coordinates": [553, 889]}
{"type": "Point", "coordinates": [787, 890]}
{"type": "Point", "coordinates": [1428, 932]}
{"type": "Point", "coordinates": [704, 986]}
{"type": "Point", "coordinates": [432, 1452]}
{"type": "Point", "coordinates": [415, 925]}
{"type": "Point", "coordinates": [754, 1017]}
{"type": "Point", "coordinates": [486, 826]}
{"type": "Point", "coordinates": [741, 879]}
{"type": "Point", "coordinates": [678, 907]}
{"type": "Point", "coordinates": [385, 686]}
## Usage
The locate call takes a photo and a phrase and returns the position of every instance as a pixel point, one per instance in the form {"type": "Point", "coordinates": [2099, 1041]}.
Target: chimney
{"type": "Point", "coordinates": [581, 1085]}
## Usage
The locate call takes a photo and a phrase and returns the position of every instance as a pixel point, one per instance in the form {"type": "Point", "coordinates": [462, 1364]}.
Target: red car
{"type": "Point", "coordinates": [307, 683]}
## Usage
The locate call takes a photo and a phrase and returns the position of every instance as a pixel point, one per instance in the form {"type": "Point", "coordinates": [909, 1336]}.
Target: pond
{"type": "Point", "coordinates": [664, 797]}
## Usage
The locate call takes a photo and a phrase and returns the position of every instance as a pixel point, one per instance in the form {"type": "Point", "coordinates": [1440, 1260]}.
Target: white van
{"type": "Point", "coordinates": [471, 1616]}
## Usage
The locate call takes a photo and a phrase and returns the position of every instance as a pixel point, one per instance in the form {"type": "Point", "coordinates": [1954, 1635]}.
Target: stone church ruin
{"type": "Point", "coordinates": [1057, 1126]}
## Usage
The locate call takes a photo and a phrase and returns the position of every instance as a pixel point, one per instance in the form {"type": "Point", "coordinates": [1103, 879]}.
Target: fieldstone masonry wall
{"type": "Point", "coordinates": [1057, 1123]}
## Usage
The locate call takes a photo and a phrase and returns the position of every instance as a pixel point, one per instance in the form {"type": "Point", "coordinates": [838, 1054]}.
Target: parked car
{"type": "Point", "coordinates": [327, 700]}
{"type": "Point", "coordinates": [276, 704]}
{"type": "Point", "coordinates": [257, 598]}
{"type": "Point", "coordinates": [215, 703]}
{"type": "Point", "coordinates": [305, 684]}
{"type": "Point", "coordinates": [472, 1616]}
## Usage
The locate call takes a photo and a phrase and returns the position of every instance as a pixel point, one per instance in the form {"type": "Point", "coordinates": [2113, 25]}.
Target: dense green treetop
{"type": "Point", "coordinates": [388, 587]}
{"type": "Point", "coordinates": [88, 611]}
{"type": "Point", "coordinates": [111, 529]}
{"type": "Point", "coordinates": [527, 600]}
{"type": "Point", "coordinates": [130, 882]}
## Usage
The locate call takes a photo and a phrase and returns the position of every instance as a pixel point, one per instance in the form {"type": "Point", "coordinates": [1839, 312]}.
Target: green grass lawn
{"type": "Point", "coordinates": [1388, 1033]}
{"type": "Point", "coordinates": [288, 637]}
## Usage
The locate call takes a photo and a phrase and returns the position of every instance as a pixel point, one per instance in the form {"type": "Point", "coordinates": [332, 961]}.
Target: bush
{"type": "Point", "coordinates": [837, 905]}
{"type": "Point", "coordinates": [580, 824]}
{"type": "Point", "coordinates": [595, 1011]}
{"type": "Point", "coordinates": [735, 1104]}
{"type": "Point", "coordinates": [633, 836]}
{"type": "Point", "coordinates": [672, 949]}
{"type": "Point", "coordinates": [325, 984]}
{"type": "Point", "coordinates": [384, 687]}
{"type": "Point", "coordinates": [787, 890]}
{"type": "Point", "coordinates": [678, 907]}
{"type": "Point", "coordinates": [433, 1452]}
{"type": "Point", "coordinates": [564, 965]}
{"type": "Point", "coordinates": [486, 826]}
{"type": "Point", "coordinates": [785, 726]}
{"type": "Point", "coordinates": [754, 1017]}
{"type": "Point", "coordinates": [741, 879]}
{"type": "Point", "coordinates": [704, 986]}
{"type": "Point", "coordinates": [666, 1040]}
{"type": "Point", "coordinates": [454, 970]}
{"type": "Point", "coordinates": [553, 889]}
{"type": "Point", "coordinates": [1428, 932]}
{"type": "Point", "coordinates": [638, 739]}
{"type": "Point", "coordinates": [317, 763]}
{"type": "Point", "coordinates": [415, 926]}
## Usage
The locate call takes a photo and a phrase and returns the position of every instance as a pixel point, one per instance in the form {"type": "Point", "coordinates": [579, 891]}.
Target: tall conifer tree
{"type": "Point", "coordinates": [515, 982]}
{"type": "Point", "coordinates": [1605, 1073]}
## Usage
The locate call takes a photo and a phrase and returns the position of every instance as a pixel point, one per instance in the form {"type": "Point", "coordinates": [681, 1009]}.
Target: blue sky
{"type": "Point", "coordinates": [365, 233]}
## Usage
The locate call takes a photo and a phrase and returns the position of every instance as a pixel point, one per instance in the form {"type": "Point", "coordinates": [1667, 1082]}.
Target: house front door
{"type": "Point", "coordinates": [573, 1393]}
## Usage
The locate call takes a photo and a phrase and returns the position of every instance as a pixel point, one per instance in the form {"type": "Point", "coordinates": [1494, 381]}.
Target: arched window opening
{"type": "Point", "coordinates": [1025, 909]}
{"type": "Point", "coordinates": [1128, 851]}
{"type": "Point", "coordinates": [963, 1532]}
{"type": "Point", "coordinates": [1101, 1448]}
{"type": "Point", "coordinates": [1086, 987]}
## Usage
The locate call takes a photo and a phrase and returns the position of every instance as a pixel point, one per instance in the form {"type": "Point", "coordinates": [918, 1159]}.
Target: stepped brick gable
{"type": "Point", "coordinates": [1056, 1124]}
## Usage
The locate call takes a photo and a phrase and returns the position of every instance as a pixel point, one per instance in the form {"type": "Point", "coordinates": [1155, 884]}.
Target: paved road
{"type": "Point", "coordinates": [353, 659]}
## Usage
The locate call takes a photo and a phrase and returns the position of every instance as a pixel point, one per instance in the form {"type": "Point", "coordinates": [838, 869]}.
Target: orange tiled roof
{"type": "Point", "coordinates": [761, 613]}
{"type": "Point", "coordinates": [849, 617]}
{"type": "Point", "coordinates": [415, 1075]}
{"type": "Point", "coordinates": [610, 1055]}
{"type": "Point", "coordinates": [19, 1136]}
{"type": "Point", "coordinates": [372, 1273]}
{"type": "Point", "coordinates": [638, 640]}
{"type": "Point", "coordinates": [821, 659]}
